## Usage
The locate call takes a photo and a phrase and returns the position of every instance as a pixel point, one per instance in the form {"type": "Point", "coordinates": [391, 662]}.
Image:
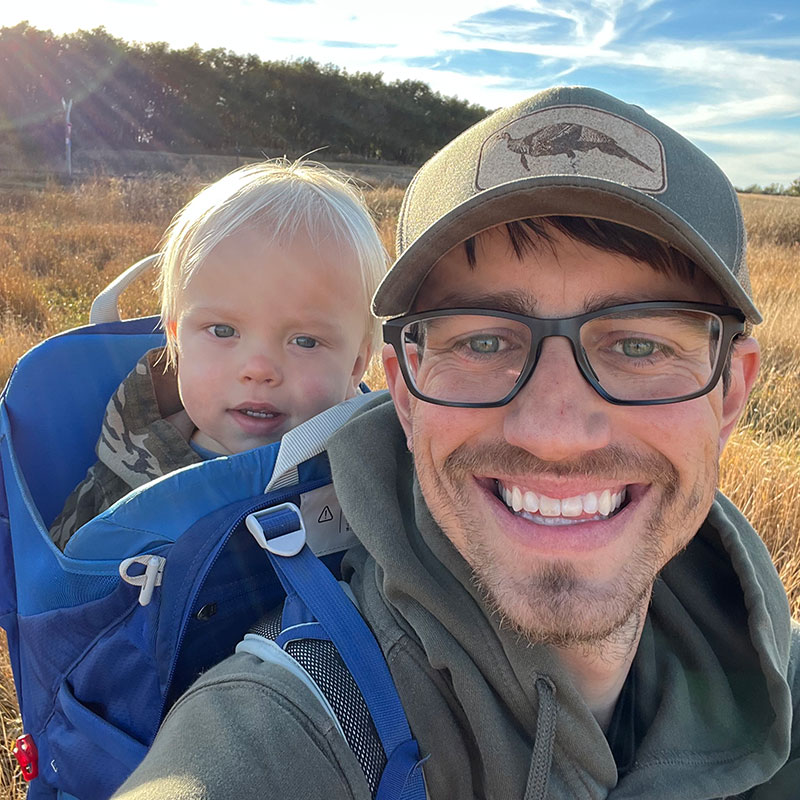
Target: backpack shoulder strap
{"type": "Point", "coordinates": [317, 663]}
{"type": "Point", "coordinates": [320, 623]}
{"type": "Point", "coordinates": [311, 438]}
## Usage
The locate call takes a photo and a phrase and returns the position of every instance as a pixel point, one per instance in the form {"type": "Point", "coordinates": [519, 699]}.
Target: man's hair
{"type": "Point", "coordinates": [280, 199]}
{"type": "Point", "coordinates": [527, 234]}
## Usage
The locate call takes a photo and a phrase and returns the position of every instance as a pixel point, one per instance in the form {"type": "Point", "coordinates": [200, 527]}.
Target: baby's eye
{"type": "Point", "coordinates": [305, 341]}
{"type": "Point", "coordinates": [222, 331]}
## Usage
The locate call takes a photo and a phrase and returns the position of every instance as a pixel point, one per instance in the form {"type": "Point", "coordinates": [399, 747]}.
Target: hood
{"type": "Point", "coordinates": [710, 669]}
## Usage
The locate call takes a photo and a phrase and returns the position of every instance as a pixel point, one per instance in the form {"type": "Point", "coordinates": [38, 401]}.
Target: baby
{"type": "Point", "coordinates": [265, 282]}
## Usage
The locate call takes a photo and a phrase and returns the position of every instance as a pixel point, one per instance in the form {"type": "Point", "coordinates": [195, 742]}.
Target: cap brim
{"type": "Point", "coordinates": [552, 195]}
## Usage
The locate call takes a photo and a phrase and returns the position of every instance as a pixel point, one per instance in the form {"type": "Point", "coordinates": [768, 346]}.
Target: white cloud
{"type": "Point", "coordinates": [758, 155]}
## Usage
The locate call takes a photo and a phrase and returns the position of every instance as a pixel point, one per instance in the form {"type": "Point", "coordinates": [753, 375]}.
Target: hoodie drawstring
{"type": "Point", "coordinates": [542, 756]}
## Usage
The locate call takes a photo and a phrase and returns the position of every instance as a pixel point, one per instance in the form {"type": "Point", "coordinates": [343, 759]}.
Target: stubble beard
{"type": "Point", "coordinates": [552, 604]}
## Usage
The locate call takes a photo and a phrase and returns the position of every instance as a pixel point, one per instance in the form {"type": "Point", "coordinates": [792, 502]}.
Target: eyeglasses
{"type": "Point", "coordinates": [634, 354]}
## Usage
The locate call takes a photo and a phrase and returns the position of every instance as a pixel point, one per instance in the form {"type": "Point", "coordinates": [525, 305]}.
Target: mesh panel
{"type": "Point", "coordinates": [269, 626]}
{"type": "Point", "coordinates": [321, 660]}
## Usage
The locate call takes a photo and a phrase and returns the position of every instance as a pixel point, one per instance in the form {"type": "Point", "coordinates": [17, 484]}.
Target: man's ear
{"type": "Point", "coordinates": [745, 360]}
{"type": "Point", "coordinates": [398, 389]}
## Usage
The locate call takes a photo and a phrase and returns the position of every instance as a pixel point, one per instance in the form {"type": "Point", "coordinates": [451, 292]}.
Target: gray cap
{"type": "Point", "coordinates": [570, 151]}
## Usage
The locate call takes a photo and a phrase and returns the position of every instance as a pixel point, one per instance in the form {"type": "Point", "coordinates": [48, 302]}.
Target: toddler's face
{"type": "Point", "coordinates": [267, 337]}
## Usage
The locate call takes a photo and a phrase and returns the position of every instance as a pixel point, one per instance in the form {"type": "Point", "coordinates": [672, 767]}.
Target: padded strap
{"type": "Point", "coordinates": [271, 652]}
{"type": "Point", "coordinates": [322, 665]}
{"type": "Point", "coordinates": [310, 439]}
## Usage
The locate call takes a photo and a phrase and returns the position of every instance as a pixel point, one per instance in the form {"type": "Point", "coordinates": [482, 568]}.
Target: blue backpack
{"type": "Point", "coordinates": [104, 637]}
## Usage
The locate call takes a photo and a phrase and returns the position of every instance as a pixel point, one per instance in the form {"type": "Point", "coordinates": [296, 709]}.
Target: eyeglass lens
{"type": "Point", "coordinates": [635, 355]}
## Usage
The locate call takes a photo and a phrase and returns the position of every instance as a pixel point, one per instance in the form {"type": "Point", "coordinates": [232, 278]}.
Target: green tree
{"type": "Point", "coordinates": [151, 96]}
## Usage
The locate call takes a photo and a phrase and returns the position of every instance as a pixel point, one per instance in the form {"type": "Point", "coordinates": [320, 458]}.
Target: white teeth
{"type": "Point", "coordinates": [601, 504]}
{"type": "Point", "coordinates": [549, 507]}
{"type": "Point", "coordinates": [571, 507]}
{"type": "Point", "coordinates": [590, 503]}
{"type": "Point", "coordinates": [258, 414]}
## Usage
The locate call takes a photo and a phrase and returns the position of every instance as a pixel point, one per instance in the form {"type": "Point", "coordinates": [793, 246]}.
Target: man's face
{"type": "Point", "coordinates": [578, 574]}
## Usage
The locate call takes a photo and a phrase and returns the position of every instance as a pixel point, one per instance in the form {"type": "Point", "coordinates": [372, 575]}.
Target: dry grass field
{"type": "Point", "coordinates": [59, 246]}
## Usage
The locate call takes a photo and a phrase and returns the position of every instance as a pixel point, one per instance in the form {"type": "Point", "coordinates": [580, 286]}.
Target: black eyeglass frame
{"type": "Point", "coordinates": [541, 328]}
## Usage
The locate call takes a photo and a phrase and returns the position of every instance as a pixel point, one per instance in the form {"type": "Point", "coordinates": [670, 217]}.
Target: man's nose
{"type": "Point", "coordinates": [557, 415]}
{"type": "Point", "coordinates": [261, 367]}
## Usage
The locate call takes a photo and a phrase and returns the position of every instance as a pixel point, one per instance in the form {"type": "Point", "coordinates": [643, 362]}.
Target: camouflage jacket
{"type": "Point", "coordinates": [145, 434]}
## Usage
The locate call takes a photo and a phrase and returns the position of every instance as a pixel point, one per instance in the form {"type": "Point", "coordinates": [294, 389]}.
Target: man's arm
{"type": "Point", "coordinates": [247, 730]}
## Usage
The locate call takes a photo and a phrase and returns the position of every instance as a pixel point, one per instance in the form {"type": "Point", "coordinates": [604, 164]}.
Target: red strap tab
{"type": "Point", "coordinates": [27, 755]}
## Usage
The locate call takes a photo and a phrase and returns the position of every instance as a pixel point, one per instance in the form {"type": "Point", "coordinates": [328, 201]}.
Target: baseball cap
{"type": "Point", "coordinates": [570, 151]}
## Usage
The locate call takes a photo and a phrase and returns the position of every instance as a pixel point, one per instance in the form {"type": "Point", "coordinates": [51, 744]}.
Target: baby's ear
{"type": "Point", "coordinates": [171, 328]}
{"type": "Point", "coordinates": [361, 364]}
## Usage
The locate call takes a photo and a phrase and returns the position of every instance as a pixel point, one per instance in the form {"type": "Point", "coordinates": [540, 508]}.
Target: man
{"type": "Point", "coordinates": [567, 608]}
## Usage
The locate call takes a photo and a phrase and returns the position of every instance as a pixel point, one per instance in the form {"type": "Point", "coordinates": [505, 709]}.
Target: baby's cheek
{"type": "Point", "coordinates": [329, 389]}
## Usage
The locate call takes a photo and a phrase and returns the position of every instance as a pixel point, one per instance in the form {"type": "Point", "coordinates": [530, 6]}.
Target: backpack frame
{"type": "Point", "coordinates": [104, 637]}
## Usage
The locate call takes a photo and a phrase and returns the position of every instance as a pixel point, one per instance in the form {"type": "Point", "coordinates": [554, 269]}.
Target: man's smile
{"type": "Point", "coordinates": [554, 529]}
{"type": "Point", "coordinates": [544, 510]}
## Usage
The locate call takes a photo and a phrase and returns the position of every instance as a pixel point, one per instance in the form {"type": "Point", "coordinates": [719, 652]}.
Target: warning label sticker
{"type": "Point", "coordinates": [327, 530]}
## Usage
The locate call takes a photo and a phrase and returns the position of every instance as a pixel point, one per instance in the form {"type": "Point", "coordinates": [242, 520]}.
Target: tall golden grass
{"type": "Point", "coordinates": [60, 246]}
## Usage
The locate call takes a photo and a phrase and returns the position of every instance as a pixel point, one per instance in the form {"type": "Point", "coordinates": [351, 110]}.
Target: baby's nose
{"type": "Point", "coordinates": [259, 367]}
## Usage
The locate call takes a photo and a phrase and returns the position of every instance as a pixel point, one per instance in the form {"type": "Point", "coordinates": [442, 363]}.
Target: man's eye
{"type": "Point", "coordinates": [638, 348]}
{"type": "Point", "coordinates": [484, 344]}
{"type": "Point", "coordinates": [305, 341]}
{"type": "Point", "coordinates": [222, 331]}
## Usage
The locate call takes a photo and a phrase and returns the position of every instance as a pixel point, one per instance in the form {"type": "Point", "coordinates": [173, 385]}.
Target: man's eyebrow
{"type": "Point", "coordinates": [517, 301]}
{"type": "Point", "coordinates": [596, 302]}
{"type": "Point", "coordinates": [513, 301]}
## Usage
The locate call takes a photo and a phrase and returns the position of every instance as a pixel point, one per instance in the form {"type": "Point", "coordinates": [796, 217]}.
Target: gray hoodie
{"type": "Point", "coordinates": [716, 674]}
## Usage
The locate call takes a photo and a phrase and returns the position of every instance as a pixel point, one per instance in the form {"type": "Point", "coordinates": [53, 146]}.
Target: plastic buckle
{"type": "Point", "coordinates": [149, 579]}
{"type": "Point", "coordinates": [27, 756]}
{"type": "Point", "coordinates": [285, 544]}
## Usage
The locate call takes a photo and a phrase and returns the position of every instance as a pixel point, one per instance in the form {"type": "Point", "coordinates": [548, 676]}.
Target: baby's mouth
{"type": "Point", "coordinates": [591, 506]}
{"type": "Point", "coordinates": [258, 413]}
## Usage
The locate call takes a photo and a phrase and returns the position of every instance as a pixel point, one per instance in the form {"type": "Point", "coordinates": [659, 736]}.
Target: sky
{"type": "Point", "coordinates": [725, 73]}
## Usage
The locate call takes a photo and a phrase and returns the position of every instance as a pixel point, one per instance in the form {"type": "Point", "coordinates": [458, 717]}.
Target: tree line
{"type": "Point", "coordinates": [150, 96]}
{"type": "Point", "coordinates": [792, 190]}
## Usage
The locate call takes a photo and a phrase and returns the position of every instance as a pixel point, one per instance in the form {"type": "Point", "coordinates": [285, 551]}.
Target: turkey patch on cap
{"type": "Point", "coordinates": [573, 140]}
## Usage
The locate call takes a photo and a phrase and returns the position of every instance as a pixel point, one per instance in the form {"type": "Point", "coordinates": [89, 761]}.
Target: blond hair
{"type": "Point", "coordinates": [283, 198]}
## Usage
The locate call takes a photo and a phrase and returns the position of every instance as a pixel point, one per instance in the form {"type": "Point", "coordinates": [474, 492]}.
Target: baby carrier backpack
{"type": "Point", "coordinates": [104, 637]}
